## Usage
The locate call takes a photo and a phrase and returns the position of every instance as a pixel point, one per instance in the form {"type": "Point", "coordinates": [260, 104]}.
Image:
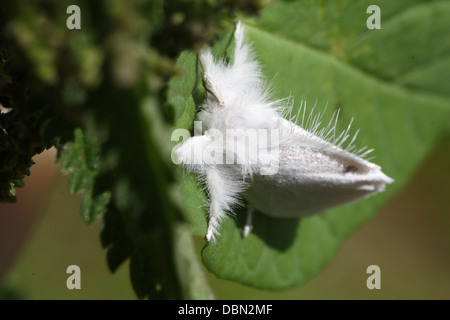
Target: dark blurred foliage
{"type": "Point", "coordinates": [97, 94]}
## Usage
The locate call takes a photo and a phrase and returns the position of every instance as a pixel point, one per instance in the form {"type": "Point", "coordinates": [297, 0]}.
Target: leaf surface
{"type": "Point", "coordinates": [393, 81]}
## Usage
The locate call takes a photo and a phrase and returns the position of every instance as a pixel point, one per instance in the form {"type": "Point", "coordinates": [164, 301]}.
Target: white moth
{"type": "Point", "coordinates": [292, 171]}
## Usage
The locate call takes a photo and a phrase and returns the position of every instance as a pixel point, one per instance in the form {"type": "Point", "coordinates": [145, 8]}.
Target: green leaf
{"type": "Point", "coordinates": [80, 159]}
{"type": "Point", "coordinates": [185, 91]}
{"type": "Point", "coordinates": [393, 81]}
{"type": "Point", "coordinates": [144, 221]}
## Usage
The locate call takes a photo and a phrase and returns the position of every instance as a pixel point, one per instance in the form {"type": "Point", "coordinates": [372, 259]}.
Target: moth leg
{"type": "Point", "coordinates": [190, 152]}
{"type": "Point", "coordinates": [223, 189]}
{"type": "Point", "coordinates": [248, 222]}
{"type": "Point", "coordinates": [216, 185]}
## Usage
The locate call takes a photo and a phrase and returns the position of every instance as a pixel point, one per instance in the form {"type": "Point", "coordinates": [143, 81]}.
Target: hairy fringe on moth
{"type": "Point", "coordinates": [327, 133]}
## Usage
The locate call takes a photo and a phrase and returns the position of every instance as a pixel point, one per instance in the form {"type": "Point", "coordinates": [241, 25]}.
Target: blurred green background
{"type": "Point", "coordinates": [409, 239]}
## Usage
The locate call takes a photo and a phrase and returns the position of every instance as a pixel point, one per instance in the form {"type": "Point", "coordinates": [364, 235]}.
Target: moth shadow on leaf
{"type": "Point", "coordinates": [278, 233]}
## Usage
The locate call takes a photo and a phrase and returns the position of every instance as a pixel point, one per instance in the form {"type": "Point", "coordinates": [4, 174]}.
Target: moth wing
{"type": "Point", "coordinates": [313, 175]}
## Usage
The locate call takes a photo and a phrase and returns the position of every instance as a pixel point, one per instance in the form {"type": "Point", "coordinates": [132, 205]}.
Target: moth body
{"type": "Point", "coordinates": [291, 171]}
